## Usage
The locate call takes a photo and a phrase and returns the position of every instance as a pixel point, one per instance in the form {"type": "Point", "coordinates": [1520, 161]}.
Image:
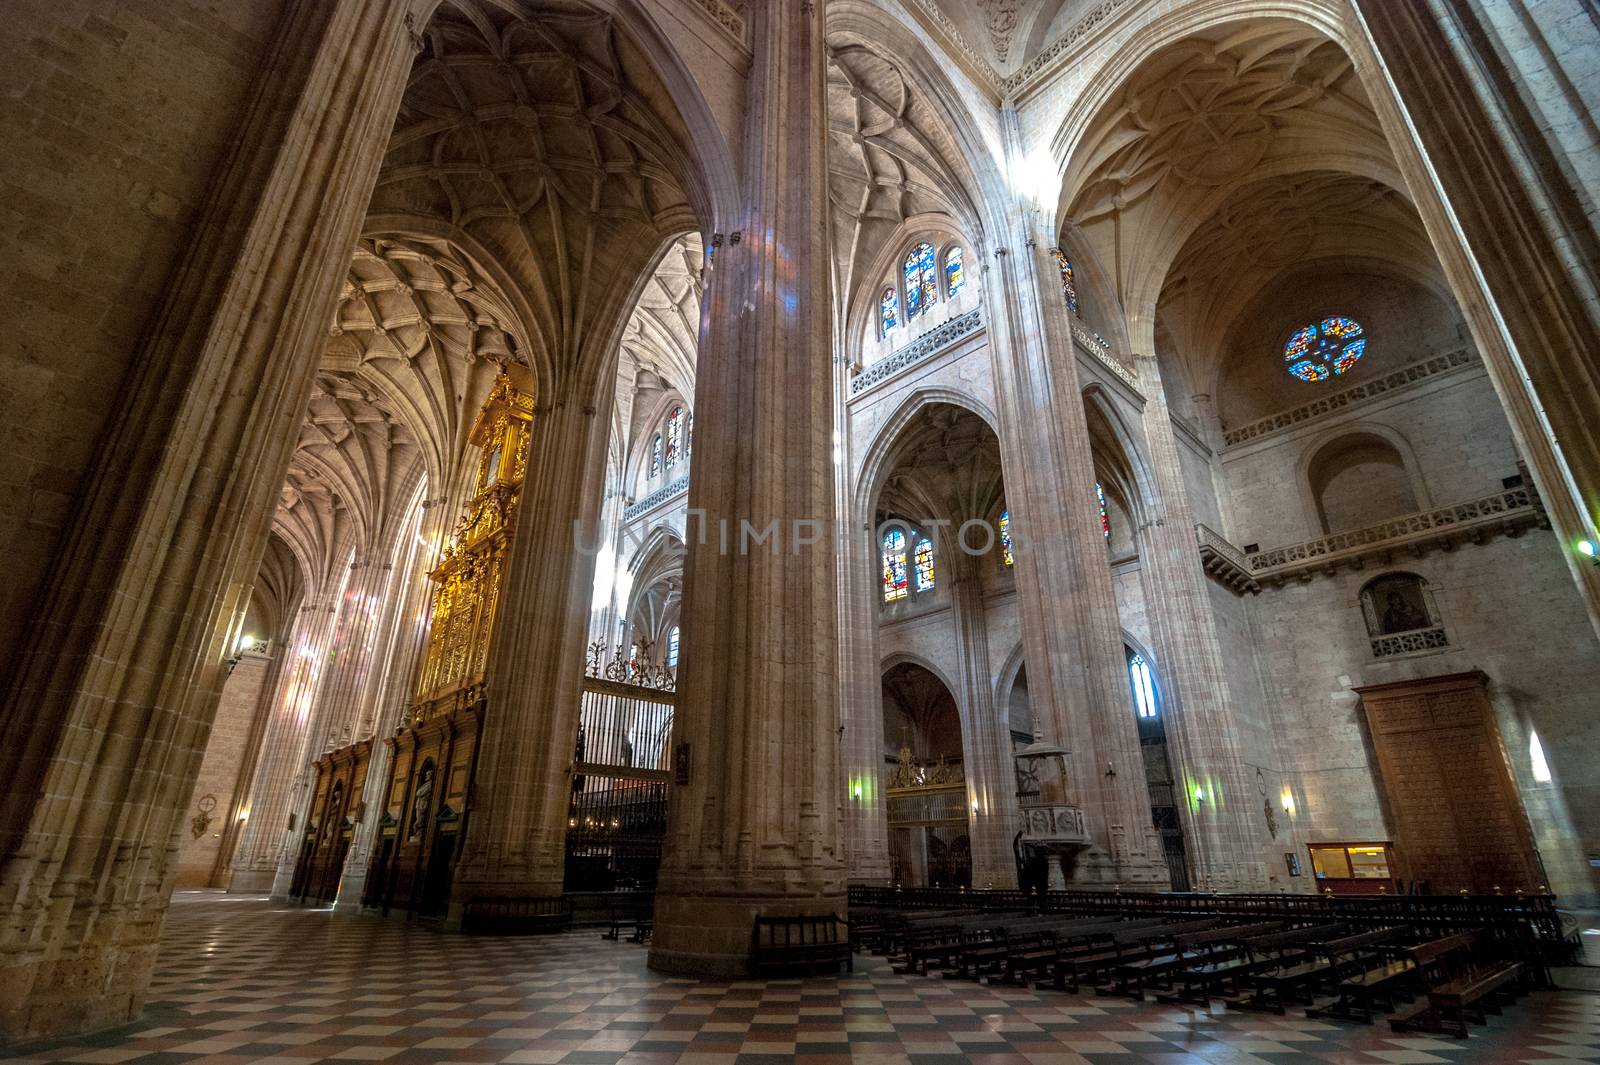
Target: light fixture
{"type": "Point", "coordinates": [1587, 549]}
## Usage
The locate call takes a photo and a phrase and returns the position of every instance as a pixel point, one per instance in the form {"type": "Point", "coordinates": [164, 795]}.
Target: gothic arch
{"type": "Point", "coordinates": [880, 452]}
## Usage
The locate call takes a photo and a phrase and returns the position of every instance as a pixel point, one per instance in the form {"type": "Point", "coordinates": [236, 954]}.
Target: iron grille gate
{"type": "Point", "coordinates": [618, 814]}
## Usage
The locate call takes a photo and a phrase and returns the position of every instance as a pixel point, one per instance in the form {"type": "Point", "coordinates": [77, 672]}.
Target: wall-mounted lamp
{"type": "Point", "coordinates": [1111, 770]}
{"type": "Point", "coordinates": [1288, 802]}
{"type": "Point", "coordinates": [1199, 795]}
{"type": "Point", "coordinates": [1588, 550]}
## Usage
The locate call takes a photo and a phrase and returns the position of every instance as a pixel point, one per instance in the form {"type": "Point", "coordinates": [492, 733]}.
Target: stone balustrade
{"type": "Point", "coordinates": [929, 343]}
{"type": "Point", "coordinates": [656, 498]}
{"type": "Point", "coordinates": [1508, 512]}
{"type": "Point", "coordinates": [1223, 561]}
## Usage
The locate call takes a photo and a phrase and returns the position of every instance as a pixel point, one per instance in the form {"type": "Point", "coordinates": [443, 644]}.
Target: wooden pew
{"type": "Point", "coordinates": [804, 942]}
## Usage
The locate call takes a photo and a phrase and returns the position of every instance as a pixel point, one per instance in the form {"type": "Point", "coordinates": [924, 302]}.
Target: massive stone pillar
{"type": "Point", "coordinates": [107, 710]}
{"type": "Point", "coordinates": [985, 740]}
{"type": "Point", "coordinates": [388, 696]}
{"type": "Point", "coordinates": [1072, 638]}
{"type": "Point", "coordinates": [516, 817]}
{"type": "Point", "coordinates": [866, 813]}
{"type": "Point", "coordinates": [1207, 721]}
{"type": "Point", "coordinates": [1484, 101]}
{"type": "Point", "coordinates": [755, 826]}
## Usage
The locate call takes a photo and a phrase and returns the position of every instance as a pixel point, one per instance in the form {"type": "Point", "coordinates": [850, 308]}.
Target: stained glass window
{"type": "Point", "coordinates": [655, 457]}
{"type": "Point", "coordinates": [672, 648]}
{"type": "Point", "coordinates": [1144, 686]}
{"type": "Point", "coordinates": [1005, 538]}
{"type": "Point", "coordinates": [1105, 519]}
{"type": "Point", "coordinates": [890, 308]}
{"type": "Point", "coordinates": [954, 276]}
{"type": "Point", "coordinates": [894, 565]}
{"type": "Point", "coordinates": [923, 557]}
{"type": "Point", "coordinates": [688, 437]}
{"type": "Point", "coordinates": [674, 435]}
{"type": "Point", "coordinates": [1069, 291]}
{"type": "Point", "coordinates": [922, 280]}
{"type": "Point", "coordinates": [1325, 349]}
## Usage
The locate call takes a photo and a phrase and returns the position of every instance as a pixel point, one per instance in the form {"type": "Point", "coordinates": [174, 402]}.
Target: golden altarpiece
{"type": "Point", "coordinates": [433, 753]}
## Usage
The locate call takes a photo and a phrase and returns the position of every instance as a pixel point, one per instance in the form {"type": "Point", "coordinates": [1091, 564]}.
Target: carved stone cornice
{"type": "Point", "coordinates": [1404, 377]}
{"type": "Point", "coordinates": [1224, 562]}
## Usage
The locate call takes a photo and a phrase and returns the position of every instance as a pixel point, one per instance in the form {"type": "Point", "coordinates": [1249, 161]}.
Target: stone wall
{"type": "Point", "coordinates": [116, 116]}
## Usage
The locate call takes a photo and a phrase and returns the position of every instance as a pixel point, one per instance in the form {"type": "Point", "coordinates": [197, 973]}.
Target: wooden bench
{"type": "Point", "coordinates": [1298, 965]}
{"type": "Point", "coordinates": [800, 943]}
{"type": "Point", "coordinates": [1186, 951]}
{"type": "Point", "coordinates": [1224, 972]}
{"type": "Point", "coordinates": [1131, 944]}
{"type": "Point", "coordinates": [539, 914]}
{"type": "Point", "coordinates": [1461, 985]}
{"type": "Point", "coordinates": [1395, 973]}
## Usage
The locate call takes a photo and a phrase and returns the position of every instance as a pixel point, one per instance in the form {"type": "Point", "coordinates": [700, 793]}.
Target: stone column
{"type": "Point", "coordinates": [389, 696]}
{"type": "Point", "coordinates": [1483, 102]}
{"type": "Point", "coordinates": [1206, 721]}
{"type": "Point", "coordinates": [756, 827]}
{"type": "Point", "coordinates": [106, 712]}
{"type": "Point", "coordinates": [866, 814]}
{"type": "Point", "coordinates": [516, 815]}
{"type": "Point", "coordinates": [264, 839]}
{"type": "Point", "coordinates": [992, 811]}
{"type": "Point", "coordinates": [1072, 638]}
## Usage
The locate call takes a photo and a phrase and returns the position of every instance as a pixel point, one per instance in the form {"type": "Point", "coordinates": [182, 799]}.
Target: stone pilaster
{"type": "Point", "coordinates": [866, 814]}
{"type": "Point", "coordinates": [755, 829]}
{"type": "Point", "coordinates": [109, 705]}
{"type": "Point", "coordinates": [1072, 638]}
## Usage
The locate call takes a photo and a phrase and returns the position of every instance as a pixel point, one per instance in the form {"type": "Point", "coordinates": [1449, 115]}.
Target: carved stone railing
{"type": "Point", "coordinates": [1054, 825]}
{"type": "Point", "coordinates": [1407, 643]}
{"type": "Point", "coordinates": [1224, 562]}
{"type": "Point", "coordinates": [1401, 378]}
{"type": "Point", "coordinates": [656, 498]}
{"type": "Point", "coordinates": [929, 343]}
{"type": "Point", "coordinates": [1508, 512]}
{"type": "Point", "coordinates": [1100, 348]}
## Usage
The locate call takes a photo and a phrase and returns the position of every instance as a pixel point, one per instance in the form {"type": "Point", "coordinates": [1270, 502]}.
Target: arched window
{"type": "Point", "coordinates": [1069, 291]}
{"type": "Point", "coordinates": [655, 457]}
{"type": "Point", "coordinates": [1005, 538]}
{"type": "Point", "coordinates": [889, 308]}
{"type": "Point", "coordinates": [1143, 684]}
{"type": "Point", "coordinates": [954, 276]}
{"type": "Point", "coordinates": [1325, 349]}
{"type": "Point", "coordinates": [894, 565]}
{"type": "Point", "coordinates": [923, 558]}
{"type": "Point", "coordinates": [688, 436]}
{"type": "Point", "coordinates": [674, 435]}
{"type": "Point", "coordinates": [922, 280]}
{"type": "Point", "coordinates": [1105, 519]}
{"type": "Point", "coordinates": [672, 648]}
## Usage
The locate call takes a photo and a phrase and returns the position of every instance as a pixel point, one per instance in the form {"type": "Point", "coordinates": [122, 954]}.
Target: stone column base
{"type": "Point", "coordinates": [711, 936]}
{"type": "Point", "coordinates": [73, 995]}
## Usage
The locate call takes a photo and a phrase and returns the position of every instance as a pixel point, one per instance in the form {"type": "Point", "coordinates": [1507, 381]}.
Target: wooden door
{"type": "Point", "coordinates": [1457, 817]}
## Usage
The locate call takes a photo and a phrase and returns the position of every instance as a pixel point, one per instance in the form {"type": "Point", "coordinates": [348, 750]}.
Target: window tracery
{"type": "Point", "coordinates": [1069, 290]}
{"type": "Point", "coordinates": [1105, 518]}
{"type": "Point", "coordinates": [894, 566]}
{"type": "Point", "coordinates": [1320, 350]}
{"type": "Point", "coordinates": [1144, 686]}
{"type": "Point", "coordinates": [922, 280]}
{"type": "Point", "coordinates": [1005, 538]}
{"type": "Point", "coordinates": [923, 558]}
{"type": "Point", "coordinates": [889, 308]}
{"type": "Point", "coordinates": [674, 436]}
{"type": "Point", "coordinates": [955, 275]}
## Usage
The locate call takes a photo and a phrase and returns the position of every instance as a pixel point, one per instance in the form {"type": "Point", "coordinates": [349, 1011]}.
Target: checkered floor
{"type": "Point", "coordinates": [243, 980]}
